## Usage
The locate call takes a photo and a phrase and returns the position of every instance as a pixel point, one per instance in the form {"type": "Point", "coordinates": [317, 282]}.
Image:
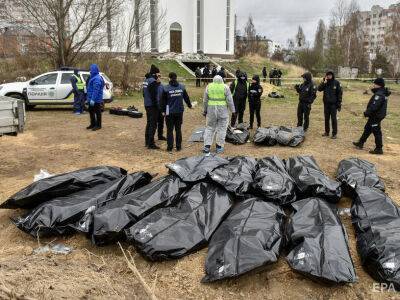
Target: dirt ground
{"type": "Point", "coordinates": [57, 141]}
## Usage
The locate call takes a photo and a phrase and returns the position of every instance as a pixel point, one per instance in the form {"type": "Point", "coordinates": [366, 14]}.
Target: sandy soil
{"type": "Point", "coordinates": [56, 140]}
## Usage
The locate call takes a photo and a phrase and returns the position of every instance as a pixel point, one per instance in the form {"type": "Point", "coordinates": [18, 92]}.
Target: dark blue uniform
{"type": "Point", "coordinates": [150, 95]}
{"type": "Point", "coordinates": [376, 113]}
{"type": "Point", "coordinates": [172, 105]}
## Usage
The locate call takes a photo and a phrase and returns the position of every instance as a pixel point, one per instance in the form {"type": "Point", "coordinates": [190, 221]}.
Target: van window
{"type": "Point", "coordinates": [47, 79]}
{"type": "Point", "coordinates": [66, 78]}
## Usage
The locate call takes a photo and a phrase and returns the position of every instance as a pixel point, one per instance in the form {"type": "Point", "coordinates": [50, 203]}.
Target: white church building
{"type": "Point", "coordinates": [188, 26]}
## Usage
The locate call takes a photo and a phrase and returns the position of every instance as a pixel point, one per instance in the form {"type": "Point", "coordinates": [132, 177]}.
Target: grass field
{"type": "Point", "coordinates": [57, 140]}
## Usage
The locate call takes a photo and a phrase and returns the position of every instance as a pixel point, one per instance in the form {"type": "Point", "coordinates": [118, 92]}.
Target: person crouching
{"type": "Point", "coordinates": [172, 108]}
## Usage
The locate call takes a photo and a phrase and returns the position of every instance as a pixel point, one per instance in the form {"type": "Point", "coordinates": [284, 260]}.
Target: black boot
{"type": "Point", "coordinates": [377, 151]}
{"type": "Point", "coordinates": [358, 145]}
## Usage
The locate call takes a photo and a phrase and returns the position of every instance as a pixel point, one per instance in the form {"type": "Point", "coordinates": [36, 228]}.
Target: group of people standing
{"type": "Point", "coordinates": [275, 76]}
{"type": "Point", "coordinates": [164, 103]}
{"type": "Point", "coordinates": [206, 74]}
{"type": "Point", "coordinates": [332, 99]}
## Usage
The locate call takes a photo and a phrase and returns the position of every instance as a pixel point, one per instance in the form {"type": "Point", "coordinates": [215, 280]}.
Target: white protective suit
{"type": "Point", "coordinates": [217, 116]}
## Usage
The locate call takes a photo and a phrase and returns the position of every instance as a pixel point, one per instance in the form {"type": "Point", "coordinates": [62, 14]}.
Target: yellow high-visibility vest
{"type": "Point", "coordinates": [80, 84]}
{"type": "Point", "coordinates": [216, 94]}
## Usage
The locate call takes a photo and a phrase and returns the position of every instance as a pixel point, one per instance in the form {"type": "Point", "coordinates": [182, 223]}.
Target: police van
{"type": "Point", "coordinates": [52, 88]}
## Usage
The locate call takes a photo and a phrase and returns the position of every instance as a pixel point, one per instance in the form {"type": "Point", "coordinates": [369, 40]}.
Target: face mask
{"type": "Point", "coordinates": [243, 78]}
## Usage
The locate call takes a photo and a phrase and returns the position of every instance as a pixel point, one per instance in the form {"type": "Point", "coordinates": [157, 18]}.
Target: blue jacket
{"type": "Point", "coordinates": [150, 92]}
{"type": "Point", "coordinates": [95, 86]}
{"type": "Point", "coordinates": [173, 96]}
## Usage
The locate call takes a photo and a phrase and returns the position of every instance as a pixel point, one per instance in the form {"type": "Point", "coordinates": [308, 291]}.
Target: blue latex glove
{"type": "Point", "coordinates": [91, 103]}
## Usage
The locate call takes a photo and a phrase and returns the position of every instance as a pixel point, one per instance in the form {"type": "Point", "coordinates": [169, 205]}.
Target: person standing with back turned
{"type": "Point", "coordinates": [333, 94]}
{"type": "Point", "coordinates": [172, 108]}
{"type": "Point", "coordinates": [78, 88]}
{"type": "Point", "coordinates": [217, 98]}
{"type": "Point", "coordinates": [95, 97]}
{"type": "Point", "coordinates": [307, 94]}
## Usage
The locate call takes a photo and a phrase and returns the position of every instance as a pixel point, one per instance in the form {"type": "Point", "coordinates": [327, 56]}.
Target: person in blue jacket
{"type": "Point", "coordinates": [95, 97]}
{"type": "Point", "coordinates": [172, 107]}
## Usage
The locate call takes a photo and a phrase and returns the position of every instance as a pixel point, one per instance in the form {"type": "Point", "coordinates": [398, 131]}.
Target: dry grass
{"type": "Point", "coordinates": [56, 140]}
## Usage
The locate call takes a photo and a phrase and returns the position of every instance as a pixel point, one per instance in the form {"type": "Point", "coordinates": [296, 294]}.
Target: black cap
{"type": "Point", "coordinates": [154, 70]}
{"type": "Point", "coordinates": [256, 78]}
{"type": "Point", "coordinates": [380, 82]}
{"type": "Point", "coordinates": [172, 76]}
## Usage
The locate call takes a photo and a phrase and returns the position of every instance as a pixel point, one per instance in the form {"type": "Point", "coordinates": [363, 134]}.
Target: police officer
{"type": "Point", "coordinates": [160, 118]}
{"type": "Point", "coordinates": [376, 113]}
{"type": "Point", "coordinates": [78, 88]}
{"type": "Point", "coordinates": [239, 89]}
{"type": "Point", "coordinates": [307, 94]}
{"type": "Point", "coordinates": [255, 93]}
{"type": "Point", "coordinates": [172, 108]}
{"type": "Point", "coordinates": [333, 93]}
{"type": "Point", "coordinates": [150, 95]}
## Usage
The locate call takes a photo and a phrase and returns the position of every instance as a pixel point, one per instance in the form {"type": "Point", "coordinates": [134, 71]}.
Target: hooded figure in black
{"type": "Point", "coordinates": [255, 93]}
{"type": "Point", "coordinates": [333, 94]}
{"type": "Point", "coordinates": [172, 108]}
{"type": "Point", "coordinates": [206, 74]}
{"type": "Point", "coordinates": [239, 89]}
{"type": "Point", "coordinates": [376, 113]}
{"type": "Point", "coordinates": [264, 73]}
{"type": "Point", "coordinates": [307, 94]}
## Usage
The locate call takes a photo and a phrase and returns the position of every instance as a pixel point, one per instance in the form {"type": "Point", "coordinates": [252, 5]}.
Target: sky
{"type": "Point", "coordinates": [278, 20]}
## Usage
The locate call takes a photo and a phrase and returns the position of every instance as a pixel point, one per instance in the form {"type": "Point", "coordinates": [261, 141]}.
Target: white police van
{"type": "Point", "coordinates": [52, 88]}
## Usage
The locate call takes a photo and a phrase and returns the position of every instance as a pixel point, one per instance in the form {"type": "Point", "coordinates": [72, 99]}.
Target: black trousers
{"type": "Point", "coordinates": [151, 125]}
{"type": "Point", "coordinates": [160, 124]}
{"type": "Point", "coordinates": [303, 115]}
{"type": "Point", "coordinates": [240, 106]}
{"type": "Point", "coordinates": [330, 112]}
{"type": "Point", "coordinates": [198, 82]}
{"type": "Point", "coordinates": [373, 127]}
{"type": "Point", "coordinates": [255, 108]}
{"type": "Point", "coordinates": [174, 121]}
{"type": "Point", "coordinates": [95, 115]}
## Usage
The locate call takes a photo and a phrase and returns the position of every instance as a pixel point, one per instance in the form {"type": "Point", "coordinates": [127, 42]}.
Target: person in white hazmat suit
{"type": "Point", "coordinates": [217, 99]}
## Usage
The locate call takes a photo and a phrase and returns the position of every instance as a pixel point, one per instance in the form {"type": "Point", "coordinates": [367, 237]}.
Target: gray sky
{"type": "Point", "coordinates": [279, 19]}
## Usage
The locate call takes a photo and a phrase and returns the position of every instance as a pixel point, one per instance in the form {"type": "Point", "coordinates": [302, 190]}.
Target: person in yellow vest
{"type": "Point", "coordinates": [217, 99]}
{"type": "Point", "coordinates": [78, 88]}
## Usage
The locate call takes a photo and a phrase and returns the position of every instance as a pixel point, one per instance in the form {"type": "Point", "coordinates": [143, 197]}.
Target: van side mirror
{"type": "Point", "coordinates": [33, 82]}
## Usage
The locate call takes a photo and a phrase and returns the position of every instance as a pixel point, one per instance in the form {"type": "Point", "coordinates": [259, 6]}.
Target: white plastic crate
{"type": "Point", "coordinates": [12, 116]}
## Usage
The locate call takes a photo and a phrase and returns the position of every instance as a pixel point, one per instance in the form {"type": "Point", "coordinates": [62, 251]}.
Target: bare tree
{"type": "Point", "coordinates": [300, 38]}
{"type": "Point", "coordinates": [135, 33]}
{"type": "Point", "coordinates": [65, 28]}
{"type": "Point", "coordinates": [250, 35]}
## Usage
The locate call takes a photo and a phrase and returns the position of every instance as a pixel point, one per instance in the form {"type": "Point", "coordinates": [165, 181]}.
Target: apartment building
{"type": "Point", "coordinates": [376, 23]}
